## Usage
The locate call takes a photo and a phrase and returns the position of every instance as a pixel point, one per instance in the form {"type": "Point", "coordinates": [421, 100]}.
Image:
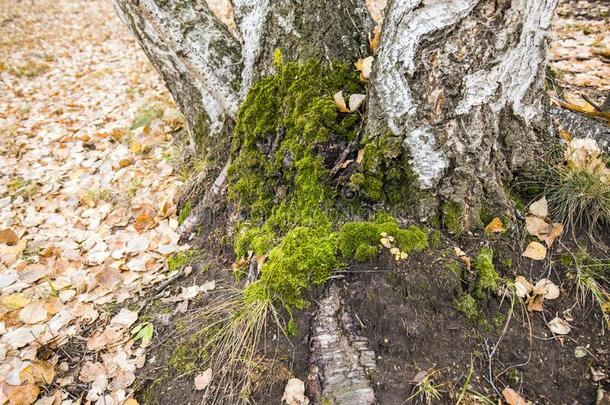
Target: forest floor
{"type": "Point", "coordinates": [89, 175]}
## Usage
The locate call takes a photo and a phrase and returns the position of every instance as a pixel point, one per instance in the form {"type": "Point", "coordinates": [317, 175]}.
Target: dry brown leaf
{"type": "Point", "coordinates": [294, 393]}
{"type": "Point", "coordinates": [131, 401]}
{"type": "Point", "coordinates": [109, 278]}
{"type": "Point", "coordinates": [33, 313]}
{"type": "Point", "coordinates": [144, 221]}
{"type": "Point", "coordinates": [355, 101]}
{"type": "Point", "coordinates": [495, 226]}
{"type": "Point", "coordinates": [559, 326]}
{"type": "Point", "coordinates": [90, 370]}
{"type": "Point", "coordinates": [540, 208]}
{"type": "Point", "coordinates": [523, 286]}
{"type": "Point", "coordinates": [535, 303]}
{"type": "Point", "coordinates": [463, 257]}
{"type": "Point", "coordinates": [124, 162]}
{"type": "Point", "coordinates": [8, 237]}
{"type": "Point", "coordinates": [535, 251]}
{"type": "Point", "coordinates": [360, 156]}
{"type": "Point", "coordinates": [512, 397]}
{"type": "Point", "coordinates": [536, 226]}
{"type": "Point", "coordinates": [556, 229]}
{"type": "Point", "coordinates": [23, 394]}
{"type": "Point", "coordinates": [203, 380]}
{"type": "Point", "coordinates": [547, 289]}
{"type": "Point", "coordinates": [50, 251]}
{"type": "Point", "coordinates": [374, 42]}
{"type": "Point", "coordinates": [365, 66]}
{"type": "Point", "coordinates": [260, 260]}
{"type": "Point", "coordinates": [38, 372]}
{"type": "Point", "coordinates": [340, 102]}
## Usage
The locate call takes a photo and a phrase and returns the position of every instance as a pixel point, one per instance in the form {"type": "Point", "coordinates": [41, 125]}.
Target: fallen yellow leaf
{"type": "Point", "coordinates": [535, 251]}
{"type": "Point", "coordinates": [495, 226]}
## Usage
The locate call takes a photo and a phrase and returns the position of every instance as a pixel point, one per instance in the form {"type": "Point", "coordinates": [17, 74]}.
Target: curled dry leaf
{"type": "Point", "coordinates": [540, 228]}
{"type": "Point", "coordinates": [364, 66]}
{"type": "Point", "coordinates": [360, 156]}
{"type": "Point", "coordinates": [495, 226]}
{"type": "Point", "coordinates": [340, 102]}
{"type": "Point", "coordinates": [463, 257]}
{"type": "Point", "coordinates": [559, 326]}
{"type": "Point", "coordinates": [540, 208]}
{"type": "Point", "coordinates": [523, 286]}
{"type": "Point", "coordinates": [534, 303]}
{"type": "Point", "coordinates": [512, 397]}
{"type": "Point", "coordinates": [535, 251]}
{"type": "Point", "coordinates": [203, 380]}
{"type": "Point", "coordinates": [547, 289]}
{"type": "Point", "coordinates": [355, 101]}
{"type": "Point", "coordinates": [294, 393]}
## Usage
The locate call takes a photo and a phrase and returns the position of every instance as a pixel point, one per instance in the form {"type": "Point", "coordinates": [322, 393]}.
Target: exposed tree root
{"type": "Point", "coordinates": [340, 359]}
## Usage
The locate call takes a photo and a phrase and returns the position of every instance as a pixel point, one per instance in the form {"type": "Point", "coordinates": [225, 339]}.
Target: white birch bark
{"type": "Point", "coordinates": [462, 83]}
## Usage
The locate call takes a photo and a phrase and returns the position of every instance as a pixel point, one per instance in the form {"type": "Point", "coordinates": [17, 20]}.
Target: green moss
{"type": "Point", "coordinates": [508, 262]}
{"type": "Point", "coordinates": [467, 305]}
{"type": "Point", "coordinates": [182, 359]}
{"type": "Point", "coordinates": [487, 276]}
{"type": "Point", "coordinates": [436, 238]}
{"type": "Point", "coordinates": [181, 259]}
{"type": "Point", "coordinates": [280, 180]}
{"type": "Point", "coordinates": [305, 257]}
{"type": "Point", "coordinates": [451, 214]}
{"type": "Point", "coordinates": [361, 235]}
{"type": "Point", "coordinates": [185, 212]}
{"type": "Point", "coordinates": [364, 253]}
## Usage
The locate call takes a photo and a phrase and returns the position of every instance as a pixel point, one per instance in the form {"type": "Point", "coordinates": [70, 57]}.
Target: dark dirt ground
{"type": "Point", "coordinates": [407, 313]}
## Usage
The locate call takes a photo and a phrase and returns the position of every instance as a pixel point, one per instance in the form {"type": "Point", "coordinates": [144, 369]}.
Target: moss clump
{"type": "Point", "coordinates": [487, 276]}
{"type": "Point", "coordinates": [364, 253]}
{"type": "Point", "coordinates": [181, 259]}
{"type": "Point", "coordinates": [386, 171]}
{"type": "Point", "coordinates": [305, 257]}
{"type": "Point", "coordinates": [279, 173]}
{"type": "Point", "coordinates": [451, 214]}
{"type": "Point", "coordinates": [354, 236]}
{"type": "Point", "coordinates": [185, 212]}
{"type": "Point", "coordinates": [467, 305]}
{"type": "Point", "coordinates": [287, 138]}
{"type": "Point", "coordinates": [436, 238]}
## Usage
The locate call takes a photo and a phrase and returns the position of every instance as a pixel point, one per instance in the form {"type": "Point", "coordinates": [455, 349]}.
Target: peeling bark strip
{"type": "Point", "coordinates": [196, 55]}
{"type": "Point", "coordinates": [461, 82]}
{"type": "Point", "coordinates": [340, 359]}
{"type": "Point", "coordinates": [327, 30]}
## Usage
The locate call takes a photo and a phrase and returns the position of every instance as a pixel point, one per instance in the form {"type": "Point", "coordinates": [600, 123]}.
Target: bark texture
{"type": "Point", "coordinates": [340, 358]}
{"type": "Point", "coordinates": [461, 82]}
{"type": "Point", "coordinates": [199, 60]}
{"type": "Point", "coordinates": [327, 30]}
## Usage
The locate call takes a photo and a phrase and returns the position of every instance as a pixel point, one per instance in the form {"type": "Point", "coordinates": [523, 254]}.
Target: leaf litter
{"type": "Point", "coordinates": [87, 213]}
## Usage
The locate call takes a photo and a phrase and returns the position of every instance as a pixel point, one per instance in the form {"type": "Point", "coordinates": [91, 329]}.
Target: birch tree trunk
{"type": "Point", "coordinates": [457, 84]}
{"type": "Point", "coordinates": [461, 84]}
